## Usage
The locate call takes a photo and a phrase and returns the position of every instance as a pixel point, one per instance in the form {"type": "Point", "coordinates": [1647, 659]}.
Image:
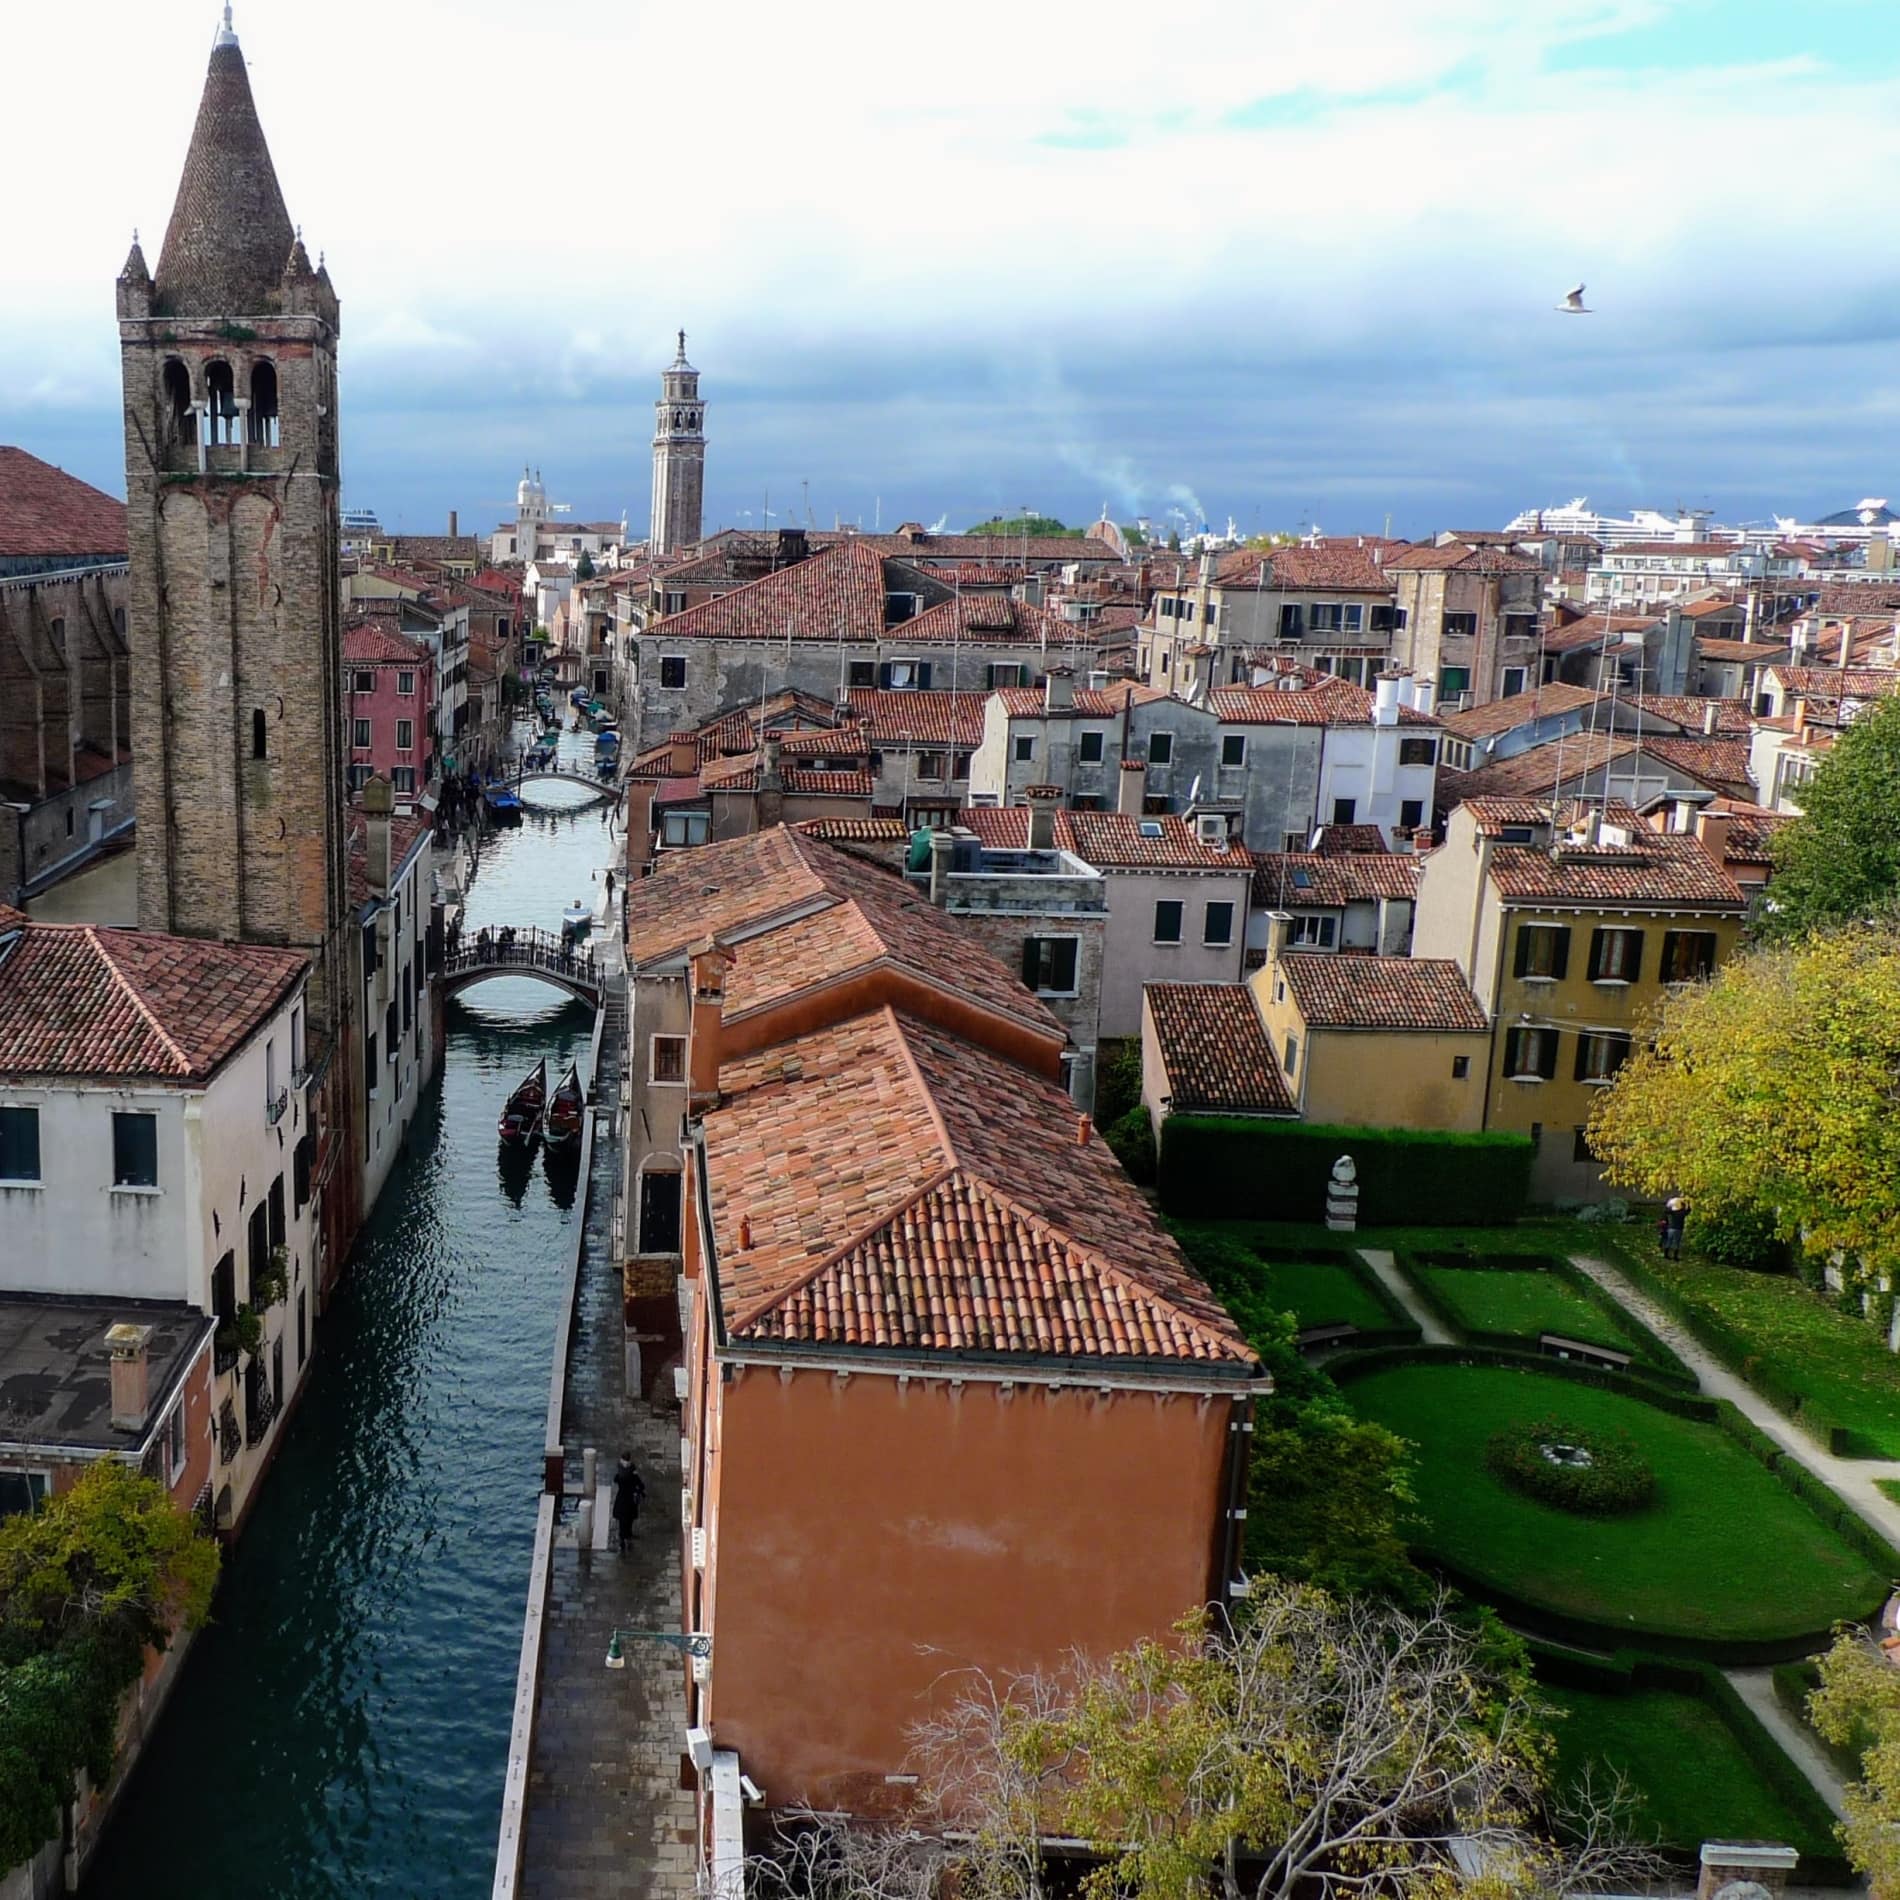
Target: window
{"type": "Point", "coordinates": [21, 1492]}
{"type": "Point", "coordinates": [259, 1255]}
{"type": "Point", "coordinates": [359, 734]}
{"type": "Point", "coordinates": [1453, 680]}
{"type": "Point", "coordinates": [1530, 1055]}
{"type": "Point", "coordinates": [300, 1160]}
{"type": "Point", "coordinates": [1411, 813]}
{"type": "Point", "coordinates": [1513, 682]}
{"type": "Point", "coordinates": [1520, 626]}
{"type": "Point", "coordinates": [1355, 616]}
{"type": "Point", "coordinates": [1687, 955]}
{"type": "Point", "coordinates": [259, 733]}
{"type": "Point", "coordinates": [930, 765]}
{"type": "Point", "coordinates": [19, 1144]}
{"type": "Point", "coordinates": [180, 417]}
{"type": "Point", "coordinates": [905, 675]}
{"type": "Point", "coordinates": [1049, 964]}
{"type": "Point", "coordinates": [1344, 810]}
{"type": "Point", "coordinates": [669, 1058]}
{"type": "Point", "coordinates": [1168, 920]}
{"type": "Point", "coordinates": [134, 1149]}
{"type": "Point", "coordinates": [685, 827]}
{"type": "Point", "coordinates": [1313, 933]}
{"type": "Point", "coordinates": [1324, 616]}
{"type": "Point", "coordinates": [172, 1434]}
{"type": "Point", "coordinates": [277, 1230]}
{"type": "Point", "coordinates": [1089, 748]}
{"type": "Point", "coordinates": [1459, 626]}
{"type": "Point", "coordinates": [1387, 619]}
{"type": "Point", "coordinates": [1291, 620]}
{"type": "Point", "coordinates": [402, 778]}
{"type": "Point", "coordinates": [1005, 673]}
{"type": "Point", "coordinates": [1025, 748]}
{"type": "Point", "coordinates": [1580, 1147]}
{"type": "Point", "coordinates": [405, 735]}
{"type": "Point", "coordinates": [1616, 956]}
{"type": "Point", "coordinates": [1599, 1056]}
{"type": "Point", "coordinates": [1161, 748]}
{"type": "Point", "coordinates": [673, 671]}
{"type": "Point", "coordinates": [264, 423]}
{"type": "Point", "coordinates": [1460, 1068]}
{"type": "Point", "coordinates": [1233, 748]}
{"type": "Point", "coordinates": [1217, 926]}
{"type": "Point", "coordinates": [1418, 751]}
{"type": "Point", "coordinates": [362, 682]}
{"type": "Point", "coordinates": [406, 685]}
{"type": "Point", "coordinates": [861, 673]}
{"type": "Point", "coordinates": [1290, 1055]}
{"type": "Point", "coordinates": [221, 402]}
{"type": "Point", "coordinates": [1543, 951]}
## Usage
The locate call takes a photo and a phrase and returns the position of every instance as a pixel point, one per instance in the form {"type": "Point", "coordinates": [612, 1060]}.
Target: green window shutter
{"type": "Point", "coordinates": [1560, 957]}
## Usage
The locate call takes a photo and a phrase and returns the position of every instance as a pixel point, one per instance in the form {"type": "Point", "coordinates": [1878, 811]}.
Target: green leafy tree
{"type": "Point", "coordinates": [88, 1583]}
{"type": "Point", "coordinates": [1839, 862]}
{"type": "Point", "coordinates": [1031, 525]}
{"type": "Point", "coordinates": [1776, 1088]}
{"type": "Point", "coordinates": [1857, 1707]}
{"type": "Point", "coordinates": [1174, 540]}
{"type": "Point", "coordinates": [584, 567]}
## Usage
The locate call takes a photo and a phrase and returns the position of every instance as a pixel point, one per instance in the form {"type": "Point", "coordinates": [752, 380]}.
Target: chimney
{"type": "Point", "coordinates": [1711, 717]}
{"type": "Point", "coordinates": [703, 1043]}
{"type": "Point", "coordinates": [1712, 827]}
{"type": "Point", "coordinates": [1385, 700]}
{"type": "Point", "coordinates": [1279, 928]}
{"type": "Point", "coordinates": [452, 533]}
{"type": "Point", "coordinates": [1132, 793]}
{"type": "Point", "coordinates": [942, 854]}
{"type": "Point", "coordinates": [378, 803]}
{"type": "Point", "coordinates": [1058, 689]}
{"type": "Point", "coordinates": [131, 1377]}
{"type": "Point", "coordinates": [771, 783]}
{"type": "Point", "coordinates": [1042, 816]}
{"type": "Point", "coordinates": [684, 761]}
{"type": "Point", "coordinates": [1752, 1867]}
{"type": "Point", "coordinates": [1800, 722]}
{"type": "Point", "coordinates": [1424, 694]}
{"type": "Point", "coordinates": [1082, 1125]}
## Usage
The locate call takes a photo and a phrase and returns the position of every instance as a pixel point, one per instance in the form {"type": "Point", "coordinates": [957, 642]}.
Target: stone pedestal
{"type": "Point", "coordinates": [1342, 1196]}
{"type": "Point", "coordinates": [1744, 1870]}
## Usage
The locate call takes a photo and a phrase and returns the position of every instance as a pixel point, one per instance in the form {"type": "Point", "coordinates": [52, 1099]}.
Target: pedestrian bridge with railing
{"type": "Point", "coordinates": [599, 787]}
{"type": "Point", "coordinates": [539, 955]}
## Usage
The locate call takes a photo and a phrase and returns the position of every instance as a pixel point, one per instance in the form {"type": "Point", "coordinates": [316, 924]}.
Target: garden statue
{"type": "Point", "coordinates": [1342, 1196]}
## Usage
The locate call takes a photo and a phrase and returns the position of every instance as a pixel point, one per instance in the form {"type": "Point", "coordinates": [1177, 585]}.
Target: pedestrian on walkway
{"type": "Point", "coordinates": [1676, 1217]}
{"type": "Point", "coordinates": [629, 1489]}
{"type": "Point", "coordinates": [610, 890]}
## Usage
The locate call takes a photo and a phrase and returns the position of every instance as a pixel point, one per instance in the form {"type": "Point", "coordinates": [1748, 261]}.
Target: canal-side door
{"type": "Point", "coordinates": [659, 1212]}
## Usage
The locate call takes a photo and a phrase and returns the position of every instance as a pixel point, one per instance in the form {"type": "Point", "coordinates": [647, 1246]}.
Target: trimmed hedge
{"type": "Point", "coordinates": [1611, 1477]}
{"type": "Point", "coordinates": [1826, 1504]}
{"type": "Point", "coordinates": [1741, 1358]}
{"type": "Point", "coordinates": [1629, 1669]}
{"type": "Point", "coordinates": [1221, 1167]}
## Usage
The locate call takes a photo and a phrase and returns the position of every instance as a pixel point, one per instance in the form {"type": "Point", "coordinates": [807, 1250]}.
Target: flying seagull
{"type": "Point", "coordinates": [1573, 304]}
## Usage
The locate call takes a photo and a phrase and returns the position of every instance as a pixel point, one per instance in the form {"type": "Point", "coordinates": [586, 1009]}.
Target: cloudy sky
{"type": "Point", "coordinates": [1285, 262]}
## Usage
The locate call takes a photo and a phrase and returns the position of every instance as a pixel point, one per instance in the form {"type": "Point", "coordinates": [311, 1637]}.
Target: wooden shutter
{"type": "Point", "coordinates": [1032, 960]}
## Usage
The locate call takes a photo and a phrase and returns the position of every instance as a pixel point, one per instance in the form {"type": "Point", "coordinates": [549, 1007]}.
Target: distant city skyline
{"type": "Point", "coordinates": [1263, 262]}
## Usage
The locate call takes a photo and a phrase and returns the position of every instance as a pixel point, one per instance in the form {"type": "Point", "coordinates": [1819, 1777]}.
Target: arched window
{"type": "Point", "coordinates": [180, 420]}
{"type": "Point", "coordinates": [221, 393]}
{"type": "Point", "coordinates": [258, 750]}
{"type": "Point", "coordinates": [264, 425]}
{"type": "Point", "coordinates": [118, 621]}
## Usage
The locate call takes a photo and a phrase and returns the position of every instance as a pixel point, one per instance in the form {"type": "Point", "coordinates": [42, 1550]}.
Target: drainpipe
{"type": "Point", "coordinates": [1233, 1494]}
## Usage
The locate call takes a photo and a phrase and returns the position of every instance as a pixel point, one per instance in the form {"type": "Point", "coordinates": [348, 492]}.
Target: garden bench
{"type": "Point", "coordinates": [1325, 1335]}
{"type": "Point", "coordinates": [1566, 1348]}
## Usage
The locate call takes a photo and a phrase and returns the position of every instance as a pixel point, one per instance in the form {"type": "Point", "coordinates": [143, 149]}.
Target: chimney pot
{"type": "Point", "coordinates": [1083, 1123]}
{"type": "Point", "coordinates": [1131, 793]}
{"type": "Point", "coordinates": [708, 959]}
{"type": "Point", "coordinates": [131, 1375]}
{"type": "Point", "coordinates": [684, 761]}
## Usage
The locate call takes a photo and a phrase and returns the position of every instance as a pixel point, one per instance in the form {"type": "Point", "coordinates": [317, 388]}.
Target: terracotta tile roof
{"type": "Point", "coordinates": [1749, 652]}
{"type": "Point", "coordinates": [1322, 701]}
{"type": "Point", "coordinates": [1537, 768]}
{"type": "Point", "coordinates": [1831, 682]}
{"type": "Point", "coordinates": [1492, 813]}
{"type": "Point", "coordinates": [11, 919]}
{"type": "Point", "coordinates": [1304, 880]}
{"type": "Point", "coordinates": [76, 1000]}
{"type": "Point", "coordinates": [1731, 715]}
{"type": "Point", "coordinates": [46, 512]}
{"type": "Point", "coordinates": [932, 718]}
{"type": "Point", "coordinates": [1464, 559]}
{"type": "Point", "coordinates": [1685, 550]}
{"type": "Point", "coordinates": [993, 548]}
{"type": "Point", "coordinates": [1216, 1051]}
{"type": "Point", "coordinates": [1337, 841]}
{"type": "Point", "coordinates": [1383, 993]}
{"type": "Point", "coordinates": [1714, 606]}
{"type": "Point", "coordinates": [1721, 761]}
{"type": "Point", "coordinates": [768, 884]}
{"type": "Point", "coordinates": [1336, 570]}
{"type": "Point", "coordinates": [1111, 840]}
{"type": "Point", "coordinates": [903, 1189]}
{"type": "Point", "coordinates": [983, 620]}
{"type": "Point", "coordinates": [855, 830]}
{"type": "Point", "coordinates": [1593, 630]}
{"type": "Point", "coordinates": [1655, 869]}
{"type": "Point", "coordinates": [407, 836]}
{"type": "Point", "coordinates": [1751, 835]}
{"type": "Point", "coordinates": [369, 642]}
{"type": "Point", "coordinates": [837, 593]}
{"type": "Point", "coordinates": [1859, 597]}
{"type": "Point", "coordinates": [1091, 702]}
{"type": "Point", "coordinates": [1521, 709]}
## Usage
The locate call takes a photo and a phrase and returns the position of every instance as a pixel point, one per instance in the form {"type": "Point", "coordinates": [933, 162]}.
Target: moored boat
{"type": "Point", "coordinates": [577, 918]}
{"type": "Point", "coordinates": [522, 1115]}
{"type": "Point", "coordinates": [561, 1125]}
{"type": "Point", "coordinates": [503, 806]}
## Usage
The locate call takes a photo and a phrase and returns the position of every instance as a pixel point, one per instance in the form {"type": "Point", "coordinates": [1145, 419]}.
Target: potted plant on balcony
{"type": "Point", "coordinates": [243, 1332]}
{"type": "Point", "coordinates": [272, 1284]}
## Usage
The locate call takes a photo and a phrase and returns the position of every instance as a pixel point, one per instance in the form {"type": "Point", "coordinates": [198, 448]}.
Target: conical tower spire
{"type": "Point", "coordinates": [230, 232]}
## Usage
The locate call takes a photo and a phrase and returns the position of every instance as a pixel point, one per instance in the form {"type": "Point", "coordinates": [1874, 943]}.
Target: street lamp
{"type": "Point", "coordinates": [694, 1643]}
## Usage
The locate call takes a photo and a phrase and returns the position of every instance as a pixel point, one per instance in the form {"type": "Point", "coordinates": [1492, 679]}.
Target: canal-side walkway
{"type": "Point", "coordinates": [604, 1810]}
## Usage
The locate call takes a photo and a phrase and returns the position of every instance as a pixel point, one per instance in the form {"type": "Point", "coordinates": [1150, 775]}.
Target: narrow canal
{"type": "Point", "coordinates": [341, 1729]}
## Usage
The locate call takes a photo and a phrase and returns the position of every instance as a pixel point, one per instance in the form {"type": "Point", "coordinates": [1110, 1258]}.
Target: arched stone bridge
{"type": "Point", "coordinates": [599, 787]}
{"type": "Point", "coordinates": [535, 954]}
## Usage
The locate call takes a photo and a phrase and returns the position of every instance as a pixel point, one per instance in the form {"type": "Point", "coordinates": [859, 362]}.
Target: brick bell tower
{"type": "Point", "coordinates": [231, 466]}
{"type": "Point", "coordinates": [679, 457]}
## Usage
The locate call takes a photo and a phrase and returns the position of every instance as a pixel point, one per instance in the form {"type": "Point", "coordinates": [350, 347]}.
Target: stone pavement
{"type": "Point", "coordinates": [605, 1811]}
{"type": "Point", "coordinates": [1756, 1687]}
{"type": "Point", "coordinates": [1431, 1329]}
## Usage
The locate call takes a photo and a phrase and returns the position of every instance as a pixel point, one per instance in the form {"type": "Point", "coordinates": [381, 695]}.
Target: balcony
{"type": "Point", "coordinates": [276, 1108]}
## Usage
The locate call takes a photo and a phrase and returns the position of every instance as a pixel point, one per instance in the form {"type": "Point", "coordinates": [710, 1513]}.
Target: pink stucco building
{"type": "Point", "coordinates": [389, 707]}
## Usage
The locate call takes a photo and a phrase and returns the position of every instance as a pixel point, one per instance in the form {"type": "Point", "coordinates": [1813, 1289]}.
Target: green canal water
{"type": "Point", "coordinates": [341, 1729]}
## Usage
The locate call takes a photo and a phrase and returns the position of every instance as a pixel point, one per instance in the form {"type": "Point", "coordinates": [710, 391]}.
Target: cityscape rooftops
{"type": "Point", "coordinates": [1380, 993]}
{"type": "Point", "coordinates": [46, 513]}
{"type": "Point", "coordinates": [1215, 1050]}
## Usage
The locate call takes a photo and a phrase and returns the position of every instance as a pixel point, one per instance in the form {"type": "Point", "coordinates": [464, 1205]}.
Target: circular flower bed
{"type": "Point", "coordinates": [1596, 1473]}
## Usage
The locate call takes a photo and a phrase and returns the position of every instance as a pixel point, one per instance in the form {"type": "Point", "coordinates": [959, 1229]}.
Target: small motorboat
{"type": "Point", "coordinates": [503, 806]}
{"type": "Point", "coordinates": [522, 1116]}
{"type": "Point", "coordinates": [577, 918]}
{"type": "Point", "coordinates": [561, 1125]}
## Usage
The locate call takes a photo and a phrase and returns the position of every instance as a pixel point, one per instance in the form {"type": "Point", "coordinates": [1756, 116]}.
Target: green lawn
{"type": "Point", "coordinates": [1838, 1364]}
{"type": "Point", "coordinates": [1696, 1782]}
{"type": "Point", "coordinates": [1323, 1293]}
{"type": "Point", "coordinates": [1526, 1301]}
{"type": "Point", "coordinates": [1725, 1553]}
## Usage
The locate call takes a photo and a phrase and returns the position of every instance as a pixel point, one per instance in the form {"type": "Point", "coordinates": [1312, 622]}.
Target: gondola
{"type": "Point", "coordinates": [523, 1113]}
{"type": "Point", "coordinates": [561, 1126]}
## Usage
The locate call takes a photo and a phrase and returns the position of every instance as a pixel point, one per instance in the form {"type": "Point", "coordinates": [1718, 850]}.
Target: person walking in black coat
{"type": "Point", "coordinates": [629, 1489]}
